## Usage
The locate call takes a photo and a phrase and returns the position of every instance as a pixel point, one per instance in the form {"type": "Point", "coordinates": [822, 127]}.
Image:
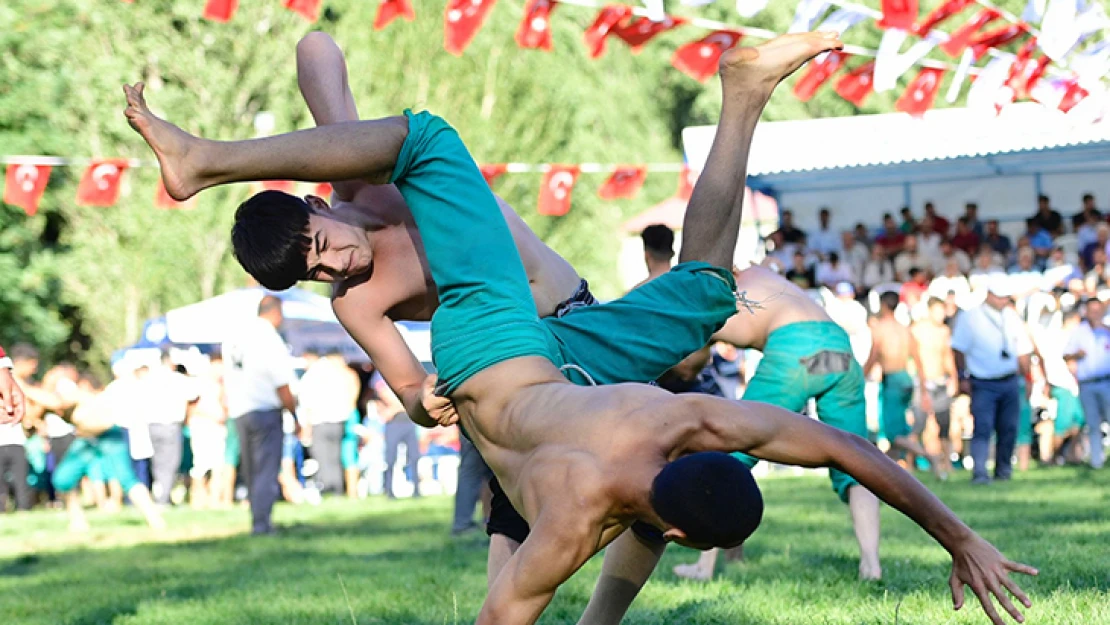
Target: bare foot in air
{"type": "Point", "coordinates": [764, 66]}
{"type": "Point", "coordinates": [170, 144]}
{"type": "Point", "coordinates": [693, 571]}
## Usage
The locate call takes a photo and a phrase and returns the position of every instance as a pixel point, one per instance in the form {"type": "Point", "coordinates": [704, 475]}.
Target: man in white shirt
{"type": "Point", "coordinates": [910, 258]}
{"type": "Point", "coordinates": [1089, 347]}
{"type": "Point", "coordinates": [833, 271]}
{"type": "Point", "coordinates": [258, 372]}
{"type": "Point", "coordinates": [328, 394]}
{"type": "Point", "coordinates": [824, 240]}
{"type": "Point", "coordinates": [992, 349]}
{"type": "Point", "coordinates": [166, 395]}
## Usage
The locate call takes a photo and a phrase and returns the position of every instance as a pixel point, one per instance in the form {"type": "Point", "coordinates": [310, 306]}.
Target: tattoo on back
{"type": "Point", "coordinates": [752, 305]}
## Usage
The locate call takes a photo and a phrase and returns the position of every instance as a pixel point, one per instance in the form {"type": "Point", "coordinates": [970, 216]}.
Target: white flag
{"type": "Point", "coordinates": [750, 8]}
{"type": "Point", "coordinates": [1059, 30]}
{"type": "Point", "coordinates": [890, 64]}
{"type": "Point", "coordinates": [1093, 63]}
{"type": "Point", "coordinates": [806, 14]}
{"type": "Point", "coordinates": [960, 76]}
{"type": "Point", "coordinates": [1034, 12]}
{"type": "Point", "coordinates": [989, 88]}
{"type": "Point", "coordinates": [1092, 18]}
{"type": "Point", "coordinates": [1049, 92]}
{"type": "Point", "coordinates": [655, 10]}
{"type": "Point", "coordinates": [839, 21]}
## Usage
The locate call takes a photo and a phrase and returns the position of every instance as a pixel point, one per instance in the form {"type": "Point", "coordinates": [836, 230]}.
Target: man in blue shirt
{"type": "Point", "coordinates": [1089, 347]}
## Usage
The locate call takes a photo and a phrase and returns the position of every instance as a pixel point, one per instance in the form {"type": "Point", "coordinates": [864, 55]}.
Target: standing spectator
{"type": "Point", "coordinates": [891, 238]}
{"type": "Point", "coordinates": [940, 224]}
{"type": "Point", "coordinates": [13, 463]}
{"type": "Point", "coordinates": [399, 430]}
{"type": "Point", "coordinates": [824, 240]}
{"type": "Point", "coordinates": [997, 241]}
{"type": "Point", "coordinates": [1062, 387]}
{"type": "Point", "coordinates": [910, 257]}
{"type": "Point", "coordinates": [791, 235]}
{"type": "Point", "coordinates": [914, 289]}
{"type": "Point", "coordinates": [938, 369]}
{"type": "Point", "coordinates": [855, 253]}
{"type": "Point", "coordinates": [327, 395]}
{"type": "Point", "coordinates": [167, 396]}
{"type": "Point", "coordinates": [1089, 347]}
{"type": "Point", "coordinates": [208, 434]}
{"type": "Point", "coordinates": [1088, 214]}
{"type": "Point", "coordinates": [1047, 219]}
{"type": "Point", "coordinates": [473, 487]}
{"type": "Point", "coordinates": [991, 348]}
{"type": "Point", "coordinates": [908, 225]}
{"type": "Point", "coordinates": [801, 274]}
{"type": "Point", "coordinates": [832, 271]}
{"type": "Point", "coordinates": [10, 393]}
{"type": "Point", "coordinates": [878, 270]}
{"type": "Point", "coordinates": [258, 372]}
{"type": "Point", "coordinates": [971, 214]}
{"type": "Point", "coordinates": [965, 238]}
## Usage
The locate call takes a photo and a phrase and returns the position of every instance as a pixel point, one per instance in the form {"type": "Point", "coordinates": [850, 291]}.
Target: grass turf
{"type": "Point", "coordinates": [393, 563]}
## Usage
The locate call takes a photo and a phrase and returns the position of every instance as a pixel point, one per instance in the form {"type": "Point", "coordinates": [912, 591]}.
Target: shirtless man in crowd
{"type": "Point", "coordinates": [938, 370]}
{"type": "Point", "coordinates": [580, 463]}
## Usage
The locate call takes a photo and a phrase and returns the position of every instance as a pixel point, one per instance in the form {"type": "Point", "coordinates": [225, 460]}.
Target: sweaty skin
{"type": "Point", "coordinates": [579, 462]}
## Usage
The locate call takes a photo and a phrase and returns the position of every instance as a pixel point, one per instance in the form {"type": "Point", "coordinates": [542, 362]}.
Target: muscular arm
{"type": "Point", "coordinates": [915, 353]}
{"type": "Point", "coordinates": [876, 350]}
{"type": "Point", "coordinates": [322, 78]}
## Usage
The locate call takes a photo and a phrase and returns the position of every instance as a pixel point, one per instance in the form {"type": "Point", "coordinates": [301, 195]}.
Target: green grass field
{"type": "Point", "coordinates": [394, 563]}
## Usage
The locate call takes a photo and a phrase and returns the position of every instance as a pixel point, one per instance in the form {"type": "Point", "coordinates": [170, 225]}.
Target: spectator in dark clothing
{"type": "Point", "coordinates": [909, 226]}
{"type": "Point", "coordinates": [1088, 214]}
{"type": "Point", "coordinates": [1047, 219]}
{"type": "Point", "coordinates": [805, 277]}
{"type": "Point", "coordinates": [971, 214]}
{"type": "Point", "coordinates": [862, 235]}
{"type": "Point", "coordinates": [891, 238]}
{"type": "Point", "coordinates": [965, 239]}
{"type": "Point", "coordinates": [790, 233]}
{"type": "Point", "coordinates": [940, 224]}
{"type": "Point", "coordinates": [998, 241]}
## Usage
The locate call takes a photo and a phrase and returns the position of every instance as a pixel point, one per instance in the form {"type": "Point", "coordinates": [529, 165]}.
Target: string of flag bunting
{"type": "Point", "coordinates": [26, 178]}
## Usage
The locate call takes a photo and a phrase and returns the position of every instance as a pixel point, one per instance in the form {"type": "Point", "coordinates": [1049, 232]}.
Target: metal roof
{"type": "Point", "coordinates": [840, 143]}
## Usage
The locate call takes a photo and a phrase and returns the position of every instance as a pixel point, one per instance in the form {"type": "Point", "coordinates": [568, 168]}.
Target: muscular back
{"type": "Point", "coordinates": [767, 302]}
{"type": "Point", "coordinates": [892, 341]}
{"type": "Point", "coordinates": [934, 346]}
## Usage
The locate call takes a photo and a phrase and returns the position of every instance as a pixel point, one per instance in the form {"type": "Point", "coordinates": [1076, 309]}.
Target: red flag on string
{"type": "Point", "coordinates": [1073, 96]}
{"type": "Point", "coordinates": [1035, 74]}
{"type": "Point", "coordinates": [624, 182]}
{"type": "Point", "coordinates": [463, 19]}
{"type": "Point", "coordinates": [555, 190]}
{"type": "Point", "coordinates": [308, 9]}
{"type": "Point", "coordinates": [817, 74]}
{"type": "Point", "coordinates": [639, 32]}
{"type": "Point", "coordinates": [686, 181]}
{"type": "Point", "coordinates": [390, 10]}
{"type": "Point", "coordinates": [921, 92]}
{"type": "Point", "coordinates": [220, 10]}
{"type": "Point", "coordinates": [939, 14]}
{"type": "Point", "coordinates": [1022, 69]}
{"type": "Point", "coordinates": [492, 172]}
{"type": "Point", "coordinates": [857, 84]}
{"type": "Point", "coordinates": [323, 190]}
{"type": "Point", "coordinates": [598, 32]}
{"type": "Point", "coordinates": [162, 198]}
{"type": "Point", "coordinates": [996, 38]}
{"type": "Point", "coordinates": [960, 39]}
{"type": "Point", "coordinates": [900, 14]}
{"type": "Point", "coordinates": [535, 29]}
{"type": "Point", "coordinates": [99, 185]}
{"type": "Point", "coordinates": [24, 185]}
{"type": "Point", "coordinates": [285, 186]}
{"type": "Point", "coordinates": [698, 59]}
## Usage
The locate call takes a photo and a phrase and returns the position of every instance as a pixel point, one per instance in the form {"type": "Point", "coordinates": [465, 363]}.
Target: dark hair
{"type": "Point", "coordinates": [834, 257]}
{"type": "Point", "coordinates": [824, 211]}
{"type": "Point", "coordinates": [915, 270]}
{"type": "Point", "coordinates": [1088, 196]}
{"type": "Point", "coordinates": [887, 216]}
{"type": "Point", "coordinates": [889, 300]}
{"type": "Point", "coordinates": [658, 240]}
{"type": "Point", "coordinates": [1042, 198]}
{"type": "Point", "coordinates": [269, 238]}
{"type": "Point", "coordinates": [972, 205]}
{"type": "Point", "coordinates": [23, 351]}
{"type": "Point", "coordinates": [710, 496]}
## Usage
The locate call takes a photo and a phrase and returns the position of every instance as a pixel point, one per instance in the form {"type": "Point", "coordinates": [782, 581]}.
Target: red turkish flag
{"type": "Point", "coordinates": [639, 32]}
{"type": "Point", "coordinates": [308, 9]}
{"type": "Point", "coordinates": [390, 10]}
{"type": "Point", "coordinates": [698, 59]}
{"type": "Point", "coordinates": [220, 10]}
{"type": "Point", "coordinates": [100, 184]}
{"type": "Point", "coordinates": [492, 172]}
{"type": "Point", "coordinates": [162, 199]}
{"type": "Point", "coordinates": [857, 84]}
{"type": "Point", "coordinates": [556, 188]}
{"type": "Point", "coordinates": [996, 38]}
{"type": "Point", "coordinates": [900, 14]}
{"type": "Point", "coordinates": [624, 182]}
{"type": "Point", "coordinates": [323, 190]}
{"type": "Point", "coordinates": [921, 92]}
{"type": "Point", "coordinates": [1074, 95]}
{"type": "Point", "coordinates": [1022, 69]}
{"type": "Point", "coordinates": [939, 14]}
{"type": "Point", "coordinates": [818, 74]}
{"type": "Point", "coordinates": [24, 185]}
{"type": "Point", "coordinates": [607, 19]}
{"type": "Point", "coordinates": [285, 186]}
{"type": "Point", "coordinates": [686, 181]}
{"type": "Point", "coordinates": [1034, 75]}
{"type": "Point", "coordinates": [960, 39]}
{"type": "Point", "coordinates": [535, 29]}
{"type": "Point", "coordinates": [463, 19]}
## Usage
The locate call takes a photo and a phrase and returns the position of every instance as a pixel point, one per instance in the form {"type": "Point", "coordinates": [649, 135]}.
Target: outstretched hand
{"type": "Point", "coordinates": [979, 565]}
{"type": "Point", "coordinates": [440, 409]}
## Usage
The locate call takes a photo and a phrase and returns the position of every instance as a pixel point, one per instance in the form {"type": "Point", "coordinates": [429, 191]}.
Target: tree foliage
{"type": "Point", "coordinates": [80, 281]}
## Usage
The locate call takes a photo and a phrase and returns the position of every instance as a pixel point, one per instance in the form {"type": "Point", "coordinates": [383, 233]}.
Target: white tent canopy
{"type": "Point", "coordinates": [863, 166]}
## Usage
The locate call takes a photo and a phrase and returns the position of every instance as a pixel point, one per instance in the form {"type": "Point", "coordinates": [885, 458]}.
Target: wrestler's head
{"type": "Point", "coordinates": [281, 239]}
{"type": "Point", "coordinates": [707, 499]}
